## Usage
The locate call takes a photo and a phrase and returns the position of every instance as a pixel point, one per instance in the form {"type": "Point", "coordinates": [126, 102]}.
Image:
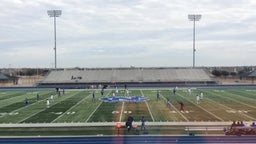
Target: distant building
{"type": "Point", "coordinates": [6, 80]}
{"type": "Point", "coordinates": [252, 76]}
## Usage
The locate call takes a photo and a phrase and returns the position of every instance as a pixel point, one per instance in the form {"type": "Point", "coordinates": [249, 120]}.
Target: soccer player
{"type": "Point", "coordinates": [26, 101]}
{"type": "Point", "coordinates": [181, 106]}
{"type": "Point", "coordinates": [63, 91]}
{"type": "Point", "coordinates": [57, 90]}
{"type": "Point", "coordinates": [158, 95]}
{"type": "Point", "coordinates": [201, 95]}
{"type": "Point", "coordinates": [37, 97]}
{"type": "Point", "coordinates": [197, 99]}
{"type": "Point", "coordinates": [47, 103]}
{"type": "Point", "coordinates": [51, 97]}
{"type": "Point", "coordinates": [189, 91]}
{"type": "Point", "coordinates": [127, 92]}
{"type": "Point", "coordinates": [143, 123]}
{"type": "Point", "coordinates": [102, 92]}
{"type": "Point", "coordinates": [59, 94]}
{"type": "Point", "coordinates": [116, 90]}
{"type": "Point", "coordinates": [93, 96]}
{"type": "Point", "coordinates": [168, 102]}
{"type": "Point", "coordinates": [174, 91]}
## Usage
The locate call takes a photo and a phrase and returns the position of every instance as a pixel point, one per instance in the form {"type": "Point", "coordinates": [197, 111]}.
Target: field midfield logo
{"type": "Point", "coordinates": [124, 99]}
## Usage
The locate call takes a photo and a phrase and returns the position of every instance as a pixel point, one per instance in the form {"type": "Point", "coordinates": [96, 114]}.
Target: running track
{"type": "Point", "coordinates": [130, 140]}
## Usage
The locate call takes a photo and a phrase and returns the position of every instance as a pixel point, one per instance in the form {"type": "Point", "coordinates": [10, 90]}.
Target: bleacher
{"type": "Point", "coordinates": [128, 75]}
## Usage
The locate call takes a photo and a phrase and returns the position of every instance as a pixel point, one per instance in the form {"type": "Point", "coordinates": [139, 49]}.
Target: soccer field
{"type": "Point", "coordinates": [221, 105]}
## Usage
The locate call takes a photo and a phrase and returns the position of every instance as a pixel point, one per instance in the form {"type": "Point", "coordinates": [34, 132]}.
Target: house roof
{"type": "Point", "coordinates": [3, 77]}
{"type": "Point", "coordinates": [6, 77]}
{"type": "Point", "coordinates": [252, 74]}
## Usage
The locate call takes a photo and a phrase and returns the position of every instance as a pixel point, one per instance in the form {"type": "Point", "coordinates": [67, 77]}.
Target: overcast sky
{"type": "Point", "coordinates": [123, 33]}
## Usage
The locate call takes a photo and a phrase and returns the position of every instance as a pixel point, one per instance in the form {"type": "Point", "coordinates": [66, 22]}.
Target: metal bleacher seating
{"type": "Point", "coordinates": [128, 75]}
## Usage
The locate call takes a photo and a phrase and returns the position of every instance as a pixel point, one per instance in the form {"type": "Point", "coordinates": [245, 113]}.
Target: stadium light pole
{"type": "Point", "coordinates": [194, 18]}
{"type": "Point", "coordinates": [54, 14]}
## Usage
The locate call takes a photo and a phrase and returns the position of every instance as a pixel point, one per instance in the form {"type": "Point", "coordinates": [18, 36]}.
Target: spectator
{"type": "Point", "coordinates": [253, 124]}
{"type": "Point", "coordinates": [233, 124]}
{"type": "Point", "coordinates": [143, 123]}
{"type": "Point", "coordinates": [242, 123]}
{"type": "Point", "coordinates": [129, 123]}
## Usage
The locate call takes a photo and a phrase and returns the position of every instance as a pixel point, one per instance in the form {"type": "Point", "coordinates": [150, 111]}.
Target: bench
{"type": "Point", "coordinates": [204, 128]}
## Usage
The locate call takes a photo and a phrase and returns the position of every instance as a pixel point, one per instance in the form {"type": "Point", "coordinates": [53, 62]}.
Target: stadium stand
{"type": "Point", "coordinates": [129, 76]}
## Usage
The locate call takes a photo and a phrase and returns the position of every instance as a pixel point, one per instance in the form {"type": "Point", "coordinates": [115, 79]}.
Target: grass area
{"type": "Point", "coordinates": [51, 113]}
{"type": "Point", "coordinates": [78, 106]}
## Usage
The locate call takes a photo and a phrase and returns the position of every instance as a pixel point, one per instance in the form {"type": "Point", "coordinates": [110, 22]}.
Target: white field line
{"type": "Point", "coordinates": [150, 112]}
{"type": "Point", "coordinates": [148, 107]}
{"type": "Point", "coordinates": [190, 124]}
{"type": "Point", "coordinates": [71, 108]}
{"type": "Point", "coordinates": [96, 109]}
{"type": "Point", "coordinates": [15, 99]}
{"type": "Point", "coordinates": [248, 98]}
{"type": "Point", "coordinates": [121, 113]}
{"type": "Point", "coordinates": [235, 100]}
{"type": "Point", "coordinates": [230, 108]}
{"type": "Point", "coordinates": [93, 112]}
{"type": "Point", "coordinates": [202, 108]}
{"type": "Point", "coordinates": [176, 109]}
{"type": "Point", "coordinates": [44, 108]}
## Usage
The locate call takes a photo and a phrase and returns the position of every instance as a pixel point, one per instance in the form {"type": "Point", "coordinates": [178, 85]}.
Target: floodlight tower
{"type": "Point", "coordinates": [54, 13]}
{"type": "Point", "coordinates": [194, 18]}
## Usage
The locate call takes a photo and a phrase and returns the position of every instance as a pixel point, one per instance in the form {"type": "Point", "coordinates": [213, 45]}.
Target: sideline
{"type": "Point", "coordinates": [23, 125]}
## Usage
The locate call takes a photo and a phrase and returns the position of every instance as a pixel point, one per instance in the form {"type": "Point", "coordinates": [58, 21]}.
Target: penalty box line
{"type": "Point", "coordinates": [95, 109]}
{"type": "Point", "coordinates": [46, 108]}
{"type": "Point", "coordinates": [71, 108]}
{"type": "Point", "coordinates": [219, 118]}
{"type": "Point", "coordinates": [229, 108]}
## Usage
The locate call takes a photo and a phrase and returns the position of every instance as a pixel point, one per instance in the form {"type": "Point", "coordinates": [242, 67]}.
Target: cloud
{"type": "Point", "coordinates": [110, 33]}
